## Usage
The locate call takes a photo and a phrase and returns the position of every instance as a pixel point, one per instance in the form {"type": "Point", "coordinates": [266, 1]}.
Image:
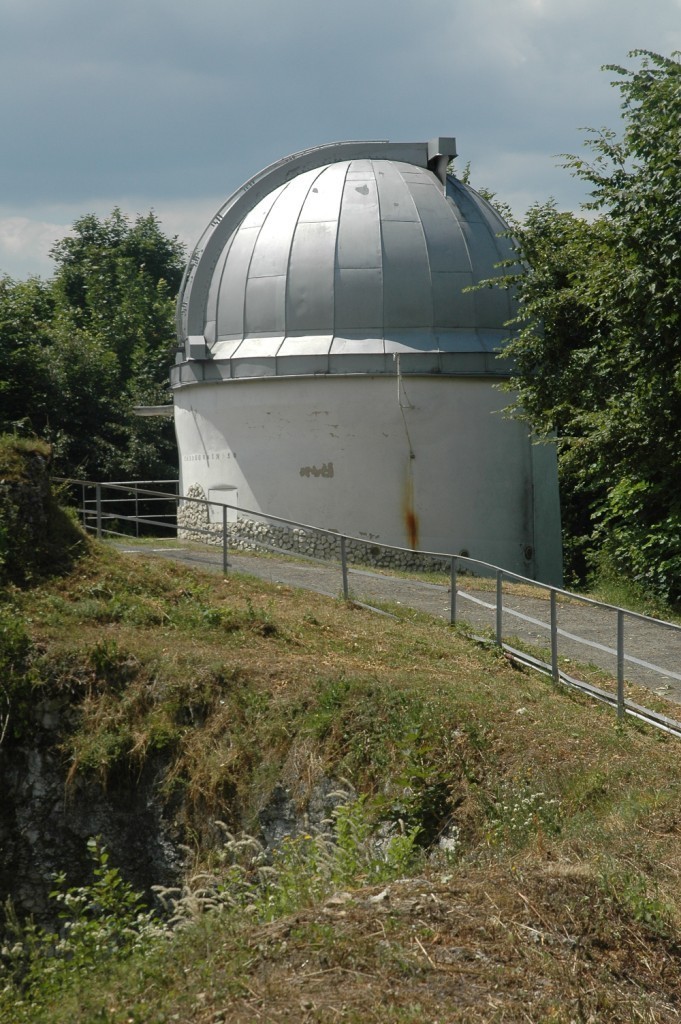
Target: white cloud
{"type": "Point", "coordinates": [25, 243]}
{"type": "Point", "coordinates": [26, 239]}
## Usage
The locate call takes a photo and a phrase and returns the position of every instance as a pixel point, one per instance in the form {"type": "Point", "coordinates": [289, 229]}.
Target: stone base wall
{"type": "Point", "coordinates": [247, 534]}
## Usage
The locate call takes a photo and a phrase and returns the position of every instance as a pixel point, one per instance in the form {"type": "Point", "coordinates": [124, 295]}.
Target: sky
{"type": "Point", "coordinates": [169, 106]}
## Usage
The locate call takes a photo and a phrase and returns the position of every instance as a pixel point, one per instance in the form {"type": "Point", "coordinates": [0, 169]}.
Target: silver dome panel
{"type": "Point", "coordinates": [343, 266]}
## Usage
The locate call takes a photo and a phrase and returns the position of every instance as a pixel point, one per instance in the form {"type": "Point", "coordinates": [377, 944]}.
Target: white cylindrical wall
{"type": "Point", "coordinates": [423, 462]}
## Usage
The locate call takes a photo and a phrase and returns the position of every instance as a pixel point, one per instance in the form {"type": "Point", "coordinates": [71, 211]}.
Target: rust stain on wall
{"type": "Point", "coordinates": [411, 520]}
{"type": "Point", "coordinates": [412, 524]}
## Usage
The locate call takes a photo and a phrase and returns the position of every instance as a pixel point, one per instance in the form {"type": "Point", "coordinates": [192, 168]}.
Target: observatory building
{"type": "Point", "coordinates": [334, 367]}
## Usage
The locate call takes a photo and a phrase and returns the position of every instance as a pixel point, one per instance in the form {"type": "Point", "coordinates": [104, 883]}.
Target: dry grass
{"type": "Point", "coordinates": [518, 942]}
{"type": "Point", "coordinates": [490, 945]}
{"type": "Point", "coordinates": [561, 908]}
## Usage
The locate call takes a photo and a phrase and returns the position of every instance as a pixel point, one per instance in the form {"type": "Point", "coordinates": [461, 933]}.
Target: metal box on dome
{"type": "Point", "coordinates": [336, 368]}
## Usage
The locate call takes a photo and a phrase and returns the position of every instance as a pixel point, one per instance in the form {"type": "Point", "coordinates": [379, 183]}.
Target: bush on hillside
{"type": "Point", "coordinates": [37, 537]}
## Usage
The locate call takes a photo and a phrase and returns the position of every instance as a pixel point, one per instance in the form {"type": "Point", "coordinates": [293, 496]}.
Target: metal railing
{"type": "Point", "coordinates": [95, 509]}
{"type": "Point", "coordinates": [154, 511]}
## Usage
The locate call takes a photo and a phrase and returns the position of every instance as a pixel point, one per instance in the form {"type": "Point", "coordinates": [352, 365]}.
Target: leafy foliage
{"type": "Point", "coordinates": [598, 356]}
{"type": "Point", "coordinates": [15, 678]}
{"type": "Point", "coordinates": [37, 537]}
{"type": "Point", "coordinates": [81, 350]}
{"type": "Point", "coordinates": [103, 921]}
{"type": "Point", "coordinates": [26, 314]}
{"type": "Point", "coordinates": [106, 921]}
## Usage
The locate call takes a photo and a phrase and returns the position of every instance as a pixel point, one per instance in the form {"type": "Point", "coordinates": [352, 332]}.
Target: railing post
{"type": "Point", "coordinates": [344, 568]}
{"type": "Point", "coordinates": [137, 513]}
{"type": "Point", "coordinates": [83, 498]}
{"type": "Point", "coordinates": [224, 539]}
{"type": "Point", "coordinates": [554, 638]}
{"type": "Point", "coordinates": [620, 664]}
{"type": "Point", "coordinates": [98, 506]}
{"type": "Point", "coordinates": [452, 586]}
{"type": "Point", "coordinates": [500, 610]}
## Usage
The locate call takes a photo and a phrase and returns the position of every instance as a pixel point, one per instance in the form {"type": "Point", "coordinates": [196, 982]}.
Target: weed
{"type": "Point", "coordinates": [298, 872]}
{"type": "Point", "coordinates": [520, 812]}
{"type": "Point", "coordinates": [331, 696]}
{"type": "Point", "coordinates": [608, 584]}
{"type": "Point", "coordinates": [357, 855]}
{"type": "Point", "coordinates": [105, 920]}
{"type": "Point", "coordinates": [640, 899]}
{"type": "Point", "coordinates": [588, 791]}
{"type": "Point", "coordinates": [16, 680]}
{"type": "Point", "coordinates": [111, 665]}
{"type": "Point", "coordinates": [260, 619]}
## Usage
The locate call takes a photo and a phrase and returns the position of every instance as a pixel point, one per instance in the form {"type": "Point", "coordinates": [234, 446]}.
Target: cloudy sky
{"type": "Point", "coordinates": [170, 106]}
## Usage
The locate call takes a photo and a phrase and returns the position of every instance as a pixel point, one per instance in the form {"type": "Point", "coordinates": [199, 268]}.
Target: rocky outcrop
{"type": "Point", "coordinates": [46, 820]}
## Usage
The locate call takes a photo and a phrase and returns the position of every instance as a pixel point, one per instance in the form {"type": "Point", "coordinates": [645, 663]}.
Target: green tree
{"type": "Point", "coordinates": [117, 281]}
{"type": "Point", "coordinates": [26, 311]}
{"type": "Point", "coordinates": [113, 338]}
{"type": "Point", "coordinates": [598, 355]}
{"type": "Point", "coordinates": [80, 351]}
{"type": "Point", "coordinates": [558, 380]}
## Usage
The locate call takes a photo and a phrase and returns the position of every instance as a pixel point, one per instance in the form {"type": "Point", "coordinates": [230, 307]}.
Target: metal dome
{"type": "Point", "coordinates": [342, 259]}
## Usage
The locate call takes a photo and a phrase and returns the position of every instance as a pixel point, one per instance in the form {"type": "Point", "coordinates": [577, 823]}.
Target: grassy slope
{"type": "Point", "coordinates": [562, 907]}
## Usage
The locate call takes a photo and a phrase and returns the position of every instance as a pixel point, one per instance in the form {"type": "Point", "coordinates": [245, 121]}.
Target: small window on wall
{"type": "Point", "coordinates": [223, 494]}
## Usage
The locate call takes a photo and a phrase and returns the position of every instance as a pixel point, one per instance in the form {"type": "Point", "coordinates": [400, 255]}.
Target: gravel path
{"type": "Point", "coordinates": [646, 643]}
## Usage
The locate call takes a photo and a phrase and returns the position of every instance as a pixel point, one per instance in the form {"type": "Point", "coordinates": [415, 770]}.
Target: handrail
{"type": "Point", "coordinates": [444, 555]}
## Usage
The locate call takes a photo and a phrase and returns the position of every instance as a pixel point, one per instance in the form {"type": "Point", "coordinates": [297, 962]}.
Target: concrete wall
{"type": "Point", "coordinates": [422, 462]}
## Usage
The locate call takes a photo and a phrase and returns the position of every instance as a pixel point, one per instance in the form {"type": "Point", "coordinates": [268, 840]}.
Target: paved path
{"type": "Point", "coordinates": [646, 643]}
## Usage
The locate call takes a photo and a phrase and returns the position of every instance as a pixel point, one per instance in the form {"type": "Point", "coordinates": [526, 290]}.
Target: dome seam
{"type": "Point", "coordinates": [287, 285]}
{"type": "Point", "coordinates": [382, 241]}
{"type": "Point", "coordinates": [336, 264]}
